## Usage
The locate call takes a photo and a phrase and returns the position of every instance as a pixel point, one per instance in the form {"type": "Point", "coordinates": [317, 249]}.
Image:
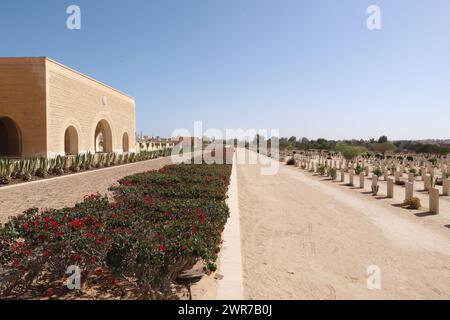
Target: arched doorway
{"type": "Point", "coordinates": [71, 141]}
{"type": "Point", "coordinates": [103, 137]}
{"type": "Point", "coordinates": [10, 138]}
{"type": "Point", "coordinates": [125, 143]}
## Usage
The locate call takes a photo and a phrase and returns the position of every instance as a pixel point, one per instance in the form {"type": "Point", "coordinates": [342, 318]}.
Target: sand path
{"type": "Point", "coordinates": [307, 238]}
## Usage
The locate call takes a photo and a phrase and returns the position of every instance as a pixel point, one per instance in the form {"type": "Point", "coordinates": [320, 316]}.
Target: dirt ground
{"type": "Point", "coordinates": [305, 237]}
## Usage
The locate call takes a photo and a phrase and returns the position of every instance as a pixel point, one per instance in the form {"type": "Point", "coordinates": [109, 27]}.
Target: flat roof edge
{"type": "Point", "coordinates": [68, 68]}
{"type": "Point", "coordinates": [87, 77]}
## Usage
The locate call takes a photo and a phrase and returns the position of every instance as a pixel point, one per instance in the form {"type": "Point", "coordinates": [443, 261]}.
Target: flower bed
{"type": "Point", "coordinates": [159, 224]}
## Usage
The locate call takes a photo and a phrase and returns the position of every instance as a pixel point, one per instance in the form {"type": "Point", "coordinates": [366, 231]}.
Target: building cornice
{"type": "Point", "coordinates": [45, 59]}
{"type": "Point", "coordinates": [87, 77]}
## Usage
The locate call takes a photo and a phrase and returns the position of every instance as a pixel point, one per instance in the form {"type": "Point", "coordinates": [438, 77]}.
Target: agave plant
{"type": "Point", "coordinates": [51, 165]}
{"type": "Point", "coordinates": [114, 159]}
{"type": "Point", "coordinates": [83, 161]}
{"type": "Point", "coordinates": [41, 167]}
{"type": "Point", "coordinates": [89, 161]}
{"type": "Point", "coordinates": [100, 160]}
{"type": "Point", "coordinates": [17, 169]}
{"type": "Point", "coordinates": [108, 159]}
{"type": "Point", "coordinates": [26, 169]}
{"type": "Point", "coordinates": [6, 170]}
{"type": "Point", "coordinates": [60, 165]}
{"type": "Point", "coordinates": [42, 170]}
{"type": "Point", "coordinates": [77, 163]}
{"type": "Point", "coordinates": [120, 159]}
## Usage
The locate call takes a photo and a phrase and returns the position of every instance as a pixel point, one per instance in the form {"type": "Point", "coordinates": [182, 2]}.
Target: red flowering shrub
{"type": "Point", "coordinates": [160, 223]}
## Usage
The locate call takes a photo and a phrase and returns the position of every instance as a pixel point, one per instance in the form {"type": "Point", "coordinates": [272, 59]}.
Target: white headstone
{"type": "Point", "coordinates": [446, 187]}
{"type": "Point", "coordinates": [434, 200]}
{"type": "Point", "coordinates": [390, 188]}
{"type": "Point", "coordinates": [409, 191]}
{"type": "Point", "coordinates": [427, 182]}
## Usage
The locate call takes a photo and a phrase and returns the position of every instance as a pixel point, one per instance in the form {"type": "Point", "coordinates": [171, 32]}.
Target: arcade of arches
{"type": "Point", "coordinates": [11, 140]}
{"type": "Point", "coordinates": [71, 141]}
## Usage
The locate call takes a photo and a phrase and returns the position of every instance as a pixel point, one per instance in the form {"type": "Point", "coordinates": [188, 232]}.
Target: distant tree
{"type": "Point", "coordinates": [383, 147]}
{"type": "Point", "coordinates": [430, 149]}
{"type": "Point", "coordinates": [292, 139]}
{"type": "Point", "coordinates": [383, 139]}
{"type": "Point", "coordinates": [350, 152]}
{"type": "Point", "coordinates": [322, 144]}
{"type": "Point", "coordinates": [283, 143]}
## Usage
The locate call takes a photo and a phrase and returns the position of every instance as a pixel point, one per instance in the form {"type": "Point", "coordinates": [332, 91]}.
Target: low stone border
{"type": "Point", "coordinates": [231, 286]}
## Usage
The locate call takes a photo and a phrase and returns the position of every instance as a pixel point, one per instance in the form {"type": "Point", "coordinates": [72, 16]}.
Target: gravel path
{"type": "Point", "coordinates": [67, 190]}
{"type": "Point", "coordinates": [304, 237]}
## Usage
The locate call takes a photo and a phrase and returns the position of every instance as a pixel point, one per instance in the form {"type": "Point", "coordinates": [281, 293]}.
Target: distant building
{"type": "Point", "coordinates": [193, 141]}
{"type": "Point", "coordinates": [48, 109]}
{"type": "Point", "coordinates": [151, 144]}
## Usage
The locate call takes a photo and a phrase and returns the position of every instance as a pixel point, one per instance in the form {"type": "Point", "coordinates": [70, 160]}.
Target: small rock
{"type": "Point", "coordinates": [218, 276]}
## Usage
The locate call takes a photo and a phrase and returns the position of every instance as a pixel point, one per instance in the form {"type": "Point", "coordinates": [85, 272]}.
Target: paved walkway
{"type": "Point", "coordinates": [304, 237]}
{"type": "Point", "coordinates": [67, 190]}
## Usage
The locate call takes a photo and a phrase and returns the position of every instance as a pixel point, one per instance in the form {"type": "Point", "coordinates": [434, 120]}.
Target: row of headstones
{"type": "Point", "coordinates": [395, 168]}
{"type": "Point", "coordinates": [434, 192]}
{"type": "Point", "coordinates": [442, 165]}
{"type": "Point", "coordinates": [428, 174]}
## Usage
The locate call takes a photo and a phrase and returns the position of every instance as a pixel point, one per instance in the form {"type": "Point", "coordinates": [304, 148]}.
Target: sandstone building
{"type": "Point", "coordinates": [48, 109]}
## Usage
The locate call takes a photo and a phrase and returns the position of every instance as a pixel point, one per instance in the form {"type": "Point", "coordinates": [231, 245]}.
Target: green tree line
{"type": "Point", "coordinates": [382, 145]}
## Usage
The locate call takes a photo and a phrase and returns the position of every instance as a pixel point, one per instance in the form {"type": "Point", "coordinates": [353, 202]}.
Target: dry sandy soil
{"type": "Point", "coordinates": [305, 237]}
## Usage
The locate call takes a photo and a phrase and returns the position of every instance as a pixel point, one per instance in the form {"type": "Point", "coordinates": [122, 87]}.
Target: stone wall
{"type": "Point", "coordinates": [44, 99]}
{"type": "Point", "coordinates": [22, 99]}
{"type": "Point", "coordinates": [76, 100]}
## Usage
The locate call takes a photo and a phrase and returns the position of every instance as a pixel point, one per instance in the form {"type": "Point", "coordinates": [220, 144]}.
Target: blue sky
{"type": "Point", "coordinates": [309, 68]}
